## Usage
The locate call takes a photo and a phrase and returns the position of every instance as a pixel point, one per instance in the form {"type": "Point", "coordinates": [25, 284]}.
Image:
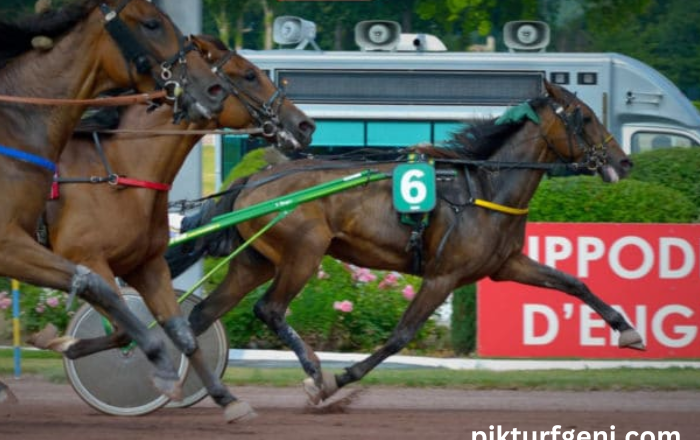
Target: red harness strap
{"type": "Point", "coordinates": [125, 181]}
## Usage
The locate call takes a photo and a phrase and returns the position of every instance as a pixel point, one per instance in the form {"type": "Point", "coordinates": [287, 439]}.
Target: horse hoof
{"type": "Point", "coordinates": [6, 395]}
{"type": "Point", "coordinates": [237, 411]}
{"type": "Point", "coordinates": [631, 339]}
{"type": "Point", "coordinates": [172, 388]}
{"type": "Point", "coordinates": [312, 391]}
{"type": "Point", "coordinates": [62, 344]}
{"type": "Point", "coordinates": [43, 337]}
{"type": "Point", "coordinates": [329, 387]}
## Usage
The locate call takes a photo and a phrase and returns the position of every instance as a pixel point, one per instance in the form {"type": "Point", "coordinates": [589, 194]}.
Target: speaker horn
{"type": "Point", "coordinates": [526, 36]}
{"type": "Point", "coordinates": [377, 35]}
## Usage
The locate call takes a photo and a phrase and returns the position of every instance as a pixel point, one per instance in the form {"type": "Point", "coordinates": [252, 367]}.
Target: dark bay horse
{"type": "Point", "coordinates": [95, 45]}
{"type": "Point", "coordinates": [463, 242]}
{"type": "Point", "coordinates": [133, 231]}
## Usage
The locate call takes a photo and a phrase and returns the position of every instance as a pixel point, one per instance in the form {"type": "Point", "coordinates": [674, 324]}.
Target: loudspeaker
{"type": "Point", "coordinates": [526, 36]}
{"type": "Point", "coordinates": [288, 29]}
{"type": "Point", "coordinates": [377, 34]}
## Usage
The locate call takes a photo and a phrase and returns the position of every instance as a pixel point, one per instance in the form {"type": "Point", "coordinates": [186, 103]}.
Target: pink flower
{"type": "Point", "coordinates": [389, 280]}
{"type": "Point", "coordinates": [52, 302]}
{"type": "Point", "coordinates": [363, 275]}
{"type": "Point", "coordinates": [344, 306]}
{"type": "Point", "coordinates": [322, 275]}
{"type": "Point", "coordinates": [5, 303]}
{"type": "Point", "coordinates": [39, 309]}
{"type": "Point", "coordinates": [408, 292]}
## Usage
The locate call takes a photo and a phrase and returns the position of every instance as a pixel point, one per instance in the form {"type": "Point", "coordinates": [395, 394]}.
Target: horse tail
{"type": "Point", "coordinates": [215, 244]}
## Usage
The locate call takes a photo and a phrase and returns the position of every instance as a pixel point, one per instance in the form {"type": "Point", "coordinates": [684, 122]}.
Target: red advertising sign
{"type": "Point", "coordinates": [649, 272]}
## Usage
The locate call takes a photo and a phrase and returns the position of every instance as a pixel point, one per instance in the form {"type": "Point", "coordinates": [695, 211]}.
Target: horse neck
{"type": "Point", "coordinates": [151, 157]}
{"type": "Point", "coordinates": [515, 187]}
{"type": "Point", "coordinates": [69, 70]}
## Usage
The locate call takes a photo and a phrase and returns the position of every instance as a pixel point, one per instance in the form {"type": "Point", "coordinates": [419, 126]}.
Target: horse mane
{"type": "Point", "coordinates": [480, 140]}
{"type": "Point", "coordinates": [16, 36]}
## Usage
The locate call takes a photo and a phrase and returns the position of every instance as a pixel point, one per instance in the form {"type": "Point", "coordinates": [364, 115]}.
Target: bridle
{"type": "Point", "coordinates": [595, 154]}
{"type": "Point", "coordinates": [136, 54]}
{"type": "Point", "coordinates": [265, 113]}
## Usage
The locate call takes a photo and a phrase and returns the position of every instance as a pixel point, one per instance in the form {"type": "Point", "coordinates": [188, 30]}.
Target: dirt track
{"type": "Point", "coordinates": [49, 411]}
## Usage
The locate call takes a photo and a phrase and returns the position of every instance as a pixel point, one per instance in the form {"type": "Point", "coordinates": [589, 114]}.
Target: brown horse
{"type": "Point", "coordinates": [133, 234]}
{"type": "Point", "coordinates": [501, 163]}
{"type": "Point", "coordinates": [97, 45]}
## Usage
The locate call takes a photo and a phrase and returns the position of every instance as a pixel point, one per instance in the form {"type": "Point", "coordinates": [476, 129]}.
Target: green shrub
{"type": "Point", "coordinates": [675, 168]}
{"type": "Point", "coordinates": [589, 199]}
{"type": "Point", "coordinates": [377, 300]}
{"type": "Point", "coordinates": [463, 325]}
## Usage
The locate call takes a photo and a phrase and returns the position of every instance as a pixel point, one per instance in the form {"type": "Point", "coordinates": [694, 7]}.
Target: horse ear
{"type": "Point", "coordinates": [548, 87]}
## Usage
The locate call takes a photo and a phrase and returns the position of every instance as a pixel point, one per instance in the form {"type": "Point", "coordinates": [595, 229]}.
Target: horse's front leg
{"type": "Point", "coordinates": [152, 281]}
{"type": "Point", "coordinates": [431, 295]}
{"type": "Point", "coordinates": [523, 269]}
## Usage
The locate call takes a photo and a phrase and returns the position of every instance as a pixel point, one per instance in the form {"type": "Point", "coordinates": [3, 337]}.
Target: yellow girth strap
{"type": "Point", "coordinates": [500, 208]}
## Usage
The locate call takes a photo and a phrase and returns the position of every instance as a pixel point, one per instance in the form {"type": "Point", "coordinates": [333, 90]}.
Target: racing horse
{"type": "Point", "coordinates": [93, 45]}
{"type": "Point", "coordinates": [476, 230]}
{"type": "Point", "coordinates": [126, 194]}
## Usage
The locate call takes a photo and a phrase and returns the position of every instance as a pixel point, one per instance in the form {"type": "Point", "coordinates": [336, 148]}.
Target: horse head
{"type": "Point", "coordinates": [581, 138]}
{"type": "Point", "coordinates": [143, 49]}
{"type": "Point", "coordinates": [282, 122]}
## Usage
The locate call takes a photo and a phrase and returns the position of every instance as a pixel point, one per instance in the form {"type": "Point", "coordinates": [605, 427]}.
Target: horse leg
{"type": "Point", "coordinates": [523, 269]}
{"type": "Point", "coordinates": [242, 277]}
{"type": "Point", "coordinates": [297, 266]}
{"type": "Point", "coordinates": [30, 262]}
{"type": "Point", "coordinates": [152, 281]}
{"type": "Point", "coordinates": [6, 394]}
{"type": "Point", "coordinates": [433, 292]}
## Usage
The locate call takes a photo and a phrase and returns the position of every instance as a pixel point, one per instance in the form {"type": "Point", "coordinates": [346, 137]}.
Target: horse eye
{"type": "Point", "coordinates": [152, 24]}
{"type": "Point", "coordinates": [250, 75]}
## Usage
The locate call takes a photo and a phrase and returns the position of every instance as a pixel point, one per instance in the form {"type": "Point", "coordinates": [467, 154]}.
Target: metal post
{"type": "Point", "coordinates": [16, 329]}
{"type": "Point", "coordinates": [187, 15]}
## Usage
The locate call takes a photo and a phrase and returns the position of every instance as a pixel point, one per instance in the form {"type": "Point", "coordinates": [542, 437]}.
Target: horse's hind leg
{"type": "Point", "coordinates": [523, 269]}
{"type": "Point", "coordinates": [431, 295]}
{"type": "Point", "coordinates": [22, 258]}
{"type": "Point", "coordinates": [152, 281]}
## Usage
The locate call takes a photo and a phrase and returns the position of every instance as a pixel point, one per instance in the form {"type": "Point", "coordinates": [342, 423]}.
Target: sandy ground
{"type": "Point", "coordinates": [51, 411]}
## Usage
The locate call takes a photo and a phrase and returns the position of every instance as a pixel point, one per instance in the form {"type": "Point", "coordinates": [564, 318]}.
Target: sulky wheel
{"type": "Point", "coordinates": [214, 345]}
{"type": "Point", "coordinates": [117, 381]}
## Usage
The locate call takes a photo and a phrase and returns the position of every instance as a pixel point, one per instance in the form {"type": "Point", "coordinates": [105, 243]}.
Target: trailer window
{"type": "Point", "coordinates": [649, 141]}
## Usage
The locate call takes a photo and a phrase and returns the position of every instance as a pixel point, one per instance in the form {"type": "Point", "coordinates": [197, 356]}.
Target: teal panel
{"type": "Point", "coordinates": [443, 131]}
{"type": "Point", "coordinates": [397, 133]}
{"type": "Point", "coordinates": [230, 153]}
{"type": "Point", "coordinates": [339, 134]}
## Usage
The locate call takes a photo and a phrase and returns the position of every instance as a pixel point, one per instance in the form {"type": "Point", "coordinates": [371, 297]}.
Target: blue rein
{"type": "Point", "coordinates": [27, 157]}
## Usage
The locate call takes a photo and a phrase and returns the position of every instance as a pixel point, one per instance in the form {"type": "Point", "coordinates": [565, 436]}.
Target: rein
{"type": "Point", "coordinates": [112, 101]}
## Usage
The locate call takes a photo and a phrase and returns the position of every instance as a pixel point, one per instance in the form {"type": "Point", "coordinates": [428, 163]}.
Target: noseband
{"type": "Point", "coordinates": [265, 113]}
{"type": "Point", "coordinates": [595, 154]}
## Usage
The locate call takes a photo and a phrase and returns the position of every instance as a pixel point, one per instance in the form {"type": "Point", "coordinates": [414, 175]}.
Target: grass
{"type": "Point", "coordinates": [49, 366]}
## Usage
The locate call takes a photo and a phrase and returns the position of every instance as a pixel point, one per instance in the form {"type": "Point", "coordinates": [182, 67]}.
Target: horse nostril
{"type": "Point", "coordinates": [215, 91]}
{"type": "Point", "coordinates": [627, 164]}
{"type": "Point", "coordinates": [307, 127]}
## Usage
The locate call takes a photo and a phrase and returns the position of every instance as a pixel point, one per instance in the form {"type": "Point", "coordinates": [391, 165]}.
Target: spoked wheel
{"type": "Point", "coordinates": [214, 345]}
{"type": "Point", "coordinates": [117, 381]}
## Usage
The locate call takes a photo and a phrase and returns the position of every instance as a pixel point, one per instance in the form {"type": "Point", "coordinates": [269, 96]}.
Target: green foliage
{"type": "Point", "coordinates": [463, 325]}
{"type": "Point", "coordinates": [589, 199]}
{"type": "Point", "coordinates": [674, 168]}
{"type": "Point", "coordinates": [251, 163]}
{"type": "Point", "coordinates": [38, 307]}
{"type": "Point", "coordinates": [344, 308]}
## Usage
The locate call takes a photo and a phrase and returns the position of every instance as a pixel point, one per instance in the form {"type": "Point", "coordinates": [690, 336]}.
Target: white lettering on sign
{"type": "Point", "coordinates": [662, 323]}
{"type": "Point", "coordinates": [666, 257]}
